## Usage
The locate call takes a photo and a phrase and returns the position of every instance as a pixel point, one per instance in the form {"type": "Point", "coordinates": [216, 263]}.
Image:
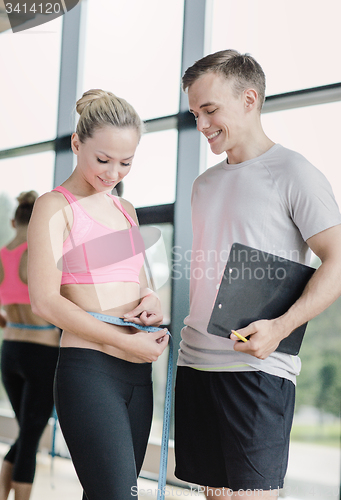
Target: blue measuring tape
{"type": "Point", "coordinates": [30, 327]}
{"type": "Point", "coordinates": [166, 425]}
{"type": "Point", "coordinates": [168, 396]}
{"type": "Point", "coordinates": [53, 445]}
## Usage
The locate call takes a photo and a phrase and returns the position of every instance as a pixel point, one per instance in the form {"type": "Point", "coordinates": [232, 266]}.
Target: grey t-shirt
{"type": "Point", "coordinates": [274, 203]}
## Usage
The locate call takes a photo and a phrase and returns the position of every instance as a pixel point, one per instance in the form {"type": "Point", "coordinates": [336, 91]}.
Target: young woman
{"type": "Point", "coordinates": [86, 255]}
{"type": "Point", "coordinates": [28, 359]}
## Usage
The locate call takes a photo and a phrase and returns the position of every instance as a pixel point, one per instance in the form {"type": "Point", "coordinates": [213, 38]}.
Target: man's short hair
{"type": "Point", "coordinates": [243, 70]}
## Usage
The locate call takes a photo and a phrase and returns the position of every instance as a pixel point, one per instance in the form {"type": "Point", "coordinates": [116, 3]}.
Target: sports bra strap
{"type": "Point", "coordinates": [69, 196]}
{"type": "Point", "coordinates": [71, 199]}
{"type": "Point", "coordinates": [120, 207]}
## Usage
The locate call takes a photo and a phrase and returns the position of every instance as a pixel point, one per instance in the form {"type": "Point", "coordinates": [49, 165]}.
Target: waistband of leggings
{"type": "Point", "coordinates": [29, 327]}
{"type": "Point", "coordinates": [24, 346]}
{"type": "Point", "coordinates": [93, 360]}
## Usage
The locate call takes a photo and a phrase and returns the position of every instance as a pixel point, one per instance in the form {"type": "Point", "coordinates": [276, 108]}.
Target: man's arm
{"type": "Point", "coordinates": [322, 290]}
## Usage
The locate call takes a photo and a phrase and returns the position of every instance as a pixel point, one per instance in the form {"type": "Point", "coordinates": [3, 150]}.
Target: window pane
{"type": "Point", "coordinates": [151, 180]}
{"type": "Point", "coordinates": [314, 132]}
{"type": "Point", "coordinates": [29, 84]}
{"type": "Point", "coordinates": [24, 173]}
{"type": "Point", "coordinates": [159, 260]}
{"type": "Point", "coordinates": [133, 49]}
{"type": "Point", "coordinates": [6, 215]}
{"type": "Point", "coordinates": [314, 464]}
{"type": "Point", "coordinates": [296, 42]}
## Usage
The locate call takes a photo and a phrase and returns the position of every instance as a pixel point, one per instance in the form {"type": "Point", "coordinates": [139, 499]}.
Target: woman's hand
{"type": "Point", "coordinates": [144, 346]}
{"type": "Point", "coordinates": [148, 312]}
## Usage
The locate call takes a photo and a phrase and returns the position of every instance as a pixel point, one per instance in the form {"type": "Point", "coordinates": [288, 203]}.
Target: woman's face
{"type": "Point", "coordinates": [104, 159]}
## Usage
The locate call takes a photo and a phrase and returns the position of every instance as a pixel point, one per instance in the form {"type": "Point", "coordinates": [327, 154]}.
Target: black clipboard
{"type": "Point", "coordinates": [258, 285]}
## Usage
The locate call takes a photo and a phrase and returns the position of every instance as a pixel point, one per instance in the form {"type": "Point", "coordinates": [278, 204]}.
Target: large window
{"type": "Point", "coordinates": [314, 132]}
{"type": "Point", "coordinates": [18, 174]}
{"type": "Point", "coordinates": [297, 43]}
{"type": "Point", "coordinates": [133, 49]}
{"type": "Point", "coordinates": [29, 63]}
{"type": "Point", "coordinates": [24, 173]}
{"type": "Point", "coordinates": [139, 61]}
{"type": "Point", "coordinates": [151, 180]}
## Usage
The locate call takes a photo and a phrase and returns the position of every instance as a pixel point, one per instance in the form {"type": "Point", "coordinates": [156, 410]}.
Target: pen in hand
{"type": "Point", "coordinates": [240, 337]}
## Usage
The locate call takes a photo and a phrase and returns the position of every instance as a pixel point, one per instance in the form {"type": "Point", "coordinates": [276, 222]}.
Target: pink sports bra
{"type": "Point", "coordinates": [12, 289]}
{"type": "Point", "coordinates": [94, 253]}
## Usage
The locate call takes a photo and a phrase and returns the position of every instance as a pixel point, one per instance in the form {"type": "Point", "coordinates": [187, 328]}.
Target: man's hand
{"type": "Point", "coordinates": [148, 312]}
{"type": "Point", "coordinates": [265, 335]}
{"type": "Point", "coordinates": [323, 288]}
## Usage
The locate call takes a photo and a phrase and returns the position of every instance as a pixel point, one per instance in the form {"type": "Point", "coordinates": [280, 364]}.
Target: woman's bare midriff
{"type": "Point", "coordinates": [112, 299]}
{"type": "Point", "coordinates": [22, 313]}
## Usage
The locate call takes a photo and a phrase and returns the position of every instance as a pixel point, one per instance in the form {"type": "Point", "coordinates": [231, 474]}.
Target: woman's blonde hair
{"type": "Point", "coordinates": [23, 212]}
{"type": "Point", "coordinates": [98, 108]}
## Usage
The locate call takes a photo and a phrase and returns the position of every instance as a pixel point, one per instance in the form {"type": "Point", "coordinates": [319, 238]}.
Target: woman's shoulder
{"type": "Point", "coordinates": [49, 210]}
{"type": "Point", "coordinates": [51, 200]}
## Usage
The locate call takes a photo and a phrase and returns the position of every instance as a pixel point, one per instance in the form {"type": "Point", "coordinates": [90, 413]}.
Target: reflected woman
{"type": "Point", "coordinates": [28, 358]}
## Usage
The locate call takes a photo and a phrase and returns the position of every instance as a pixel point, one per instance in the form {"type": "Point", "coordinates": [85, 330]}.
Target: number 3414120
{"type": "Point", "coordinates": [35, 8]}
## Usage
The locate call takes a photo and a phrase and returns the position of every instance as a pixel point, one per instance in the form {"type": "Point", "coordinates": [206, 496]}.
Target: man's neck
{"type": "Point", "coordinates": [252, 145]}
{"type": "Point", "coordinates": [241, 154]}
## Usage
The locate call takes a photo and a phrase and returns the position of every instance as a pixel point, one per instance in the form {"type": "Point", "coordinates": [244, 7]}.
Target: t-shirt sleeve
{"type": "Point", "coordinates": [311, 200]}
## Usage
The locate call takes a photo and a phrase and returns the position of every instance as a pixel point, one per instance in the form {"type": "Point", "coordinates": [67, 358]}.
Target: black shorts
{"type": "Point", "coordinates": [232, 429]}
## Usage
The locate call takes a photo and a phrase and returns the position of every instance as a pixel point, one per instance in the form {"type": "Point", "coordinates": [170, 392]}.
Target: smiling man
{"type": "Point", "coordinates": [234, 400]}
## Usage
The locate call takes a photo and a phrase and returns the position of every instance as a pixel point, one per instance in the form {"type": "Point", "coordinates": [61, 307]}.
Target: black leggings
{"type": "Point", "coordinates": [104, 405]}
{"type": "Point", "coordinates": [27, 375]}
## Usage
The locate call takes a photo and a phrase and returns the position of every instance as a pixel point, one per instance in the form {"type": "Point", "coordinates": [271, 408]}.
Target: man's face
{"type": "Point", "coordinates": [219, 113]}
